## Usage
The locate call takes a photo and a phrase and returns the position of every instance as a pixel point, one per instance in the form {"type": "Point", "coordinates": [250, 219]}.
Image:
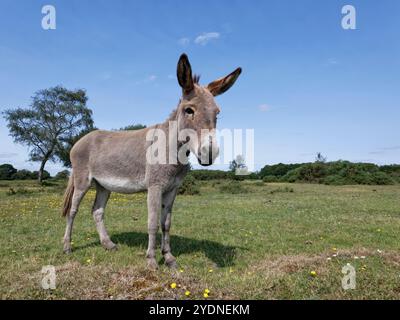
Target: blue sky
{"type": "Point", "coordinates": [307, 85]}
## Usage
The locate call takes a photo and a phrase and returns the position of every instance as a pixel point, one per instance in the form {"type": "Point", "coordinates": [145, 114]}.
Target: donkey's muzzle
{"type": "Point", "coordinates": [208, 153]}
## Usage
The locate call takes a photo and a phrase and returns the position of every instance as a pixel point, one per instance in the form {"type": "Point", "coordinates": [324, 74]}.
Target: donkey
{"type": "Point", "coordinates": [117, 162]}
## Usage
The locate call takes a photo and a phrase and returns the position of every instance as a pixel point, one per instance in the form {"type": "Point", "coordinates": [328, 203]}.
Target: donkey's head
{"type": "Point", "coordinates": [197, 111]}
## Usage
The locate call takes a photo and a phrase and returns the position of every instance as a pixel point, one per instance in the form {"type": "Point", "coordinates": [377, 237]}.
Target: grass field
{"type": "Point", "coordinates": [263, 244]}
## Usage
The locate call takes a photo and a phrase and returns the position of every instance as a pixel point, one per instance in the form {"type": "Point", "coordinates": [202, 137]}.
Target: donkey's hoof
{"type": "Point", "coordinates": [67, 250]}
{"type": "Point", "coordinates": [171, 264]}
{"type": "Point", "coordinates": [110, 246]}
{"type": "Point", "coordinates": [170, 261]}
{"type": "Point", "coordinates": [152, 264]}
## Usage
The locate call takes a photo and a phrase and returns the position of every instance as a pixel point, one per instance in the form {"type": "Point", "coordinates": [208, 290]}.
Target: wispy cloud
{"type": "Point", "coordinates": [206, 37]}
{"type": "Point", "coordinates": [8, 155]}
{"type": "Point", "coordinates": [184, 41]}
{"type": "Point", "coordinates": [148, 79]}
{"type": "Point", "coordinates": [391, 148]}
{"type": "Point", "coordinates": [332, 61]}
{"type": "Point", "coordinates": [384, 150]}
{"type": "Point", "coordinates": [264, 107]}
{"type": "Point", "coordinates": [308, 154]}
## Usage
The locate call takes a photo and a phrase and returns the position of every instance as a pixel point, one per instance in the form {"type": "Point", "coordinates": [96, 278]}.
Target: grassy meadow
{"type": "Point", "coordinates": [269, 241]}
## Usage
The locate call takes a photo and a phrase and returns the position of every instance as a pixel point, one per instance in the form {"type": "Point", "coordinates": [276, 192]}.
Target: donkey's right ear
{"type": "Point", "coordinates": [184, 73]}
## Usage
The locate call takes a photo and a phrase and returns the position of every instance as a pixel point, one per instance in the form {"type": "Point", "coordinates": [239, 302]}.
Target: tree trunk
{"type": "Point", "coordinates": [40, 175]}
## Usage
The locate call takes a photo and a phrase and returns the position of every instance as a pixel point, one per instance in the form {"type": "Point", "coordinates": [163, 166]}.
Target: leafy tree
{"type": "Point", "coordinates": [54, 116]}
{"type": "Point", "coordinates": [237, 163]}
{"type": "Point", "coordinates": [7, 172]}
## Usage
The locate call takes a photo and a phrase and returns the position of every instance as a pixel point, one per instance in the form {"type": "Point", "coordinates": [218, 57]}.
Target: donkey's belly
{"type": "Point", "coordinates": [121, 185]}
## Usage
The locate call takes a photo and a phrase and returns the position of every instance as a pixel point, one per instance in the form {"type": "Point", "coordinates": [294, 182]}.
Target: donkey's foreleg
{"type": "Point", "coordinates": [167, 203]}
{"type": "Point", "coordinates": [153, 207]}
{"type": "Point", "coordinates": [102, 196]}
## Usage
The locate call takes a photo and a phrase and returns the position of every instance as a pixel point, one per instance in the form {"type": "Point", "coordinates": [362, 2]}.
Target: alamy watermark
{"type": "Point", "coordinates": [349, 18]}
{"type": "Point", "coordinates": [173, 146]}
{"type": "Point", "coordinates": [49, 20]}
{"type": "Point", "coordinates": [49, 278]}
{"type": "Point", "coordinates": [349, 278]}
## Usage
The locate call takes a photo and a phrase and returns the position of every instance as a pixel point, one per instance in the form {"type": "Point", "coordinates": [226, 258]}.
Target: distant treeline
{"type": "Point", "coordinates": [330, 173]}
{"type": "Point", "coordinates": [8, 172]}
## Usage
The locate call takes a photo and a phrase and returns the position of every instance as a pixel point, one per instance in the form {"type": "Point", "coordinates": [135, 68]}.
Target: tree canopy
{"type": "Point", "coordinates": [55, 116]}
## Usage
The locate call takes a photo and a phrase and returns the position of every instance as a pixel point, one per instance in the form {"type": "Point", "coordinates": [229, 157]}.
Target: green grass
{"type": "Point", "coordinates": [261, 244]}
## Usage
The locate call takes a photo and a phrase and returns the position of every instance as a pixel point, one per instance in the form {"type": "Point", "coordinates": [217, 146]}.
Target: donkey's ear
{"type": "Point", "coordinates": [184, 73]}
{"type": "Point", "coordinates": [219, 86]}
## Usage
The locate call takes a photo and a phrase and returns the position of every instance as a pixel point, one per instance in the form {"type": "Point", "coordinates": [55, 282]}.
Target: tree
{"type": "Point", "coordinates": [237, 163]}
{"type": "Point", "coordinates": [54, 116]}
{"type": "Point", "coordinates": [320, 158]}
{"type": "Point", "coordinates": [7, 172]}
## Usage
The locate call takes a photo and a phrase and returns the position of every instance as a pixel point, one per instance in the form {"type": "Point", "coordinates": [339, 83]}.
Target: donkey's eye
{"type": "Point", "coordinates": [189, 111]}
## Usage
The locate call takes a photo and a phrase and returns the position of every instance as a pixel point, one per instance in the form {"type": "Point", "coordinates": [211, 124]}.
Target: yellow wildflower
{"type": "Point", "coordinates": [313, 273]}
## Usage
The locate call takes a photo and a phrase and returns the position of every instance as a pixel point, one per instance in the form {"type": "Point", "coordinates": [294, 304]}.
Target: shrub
{"type": "Point", "coordinates": [270, 179]}
{"type": "Point", "coordinates": [23, 175]}
{"type": "Point", "coordinates": [62, 175]}
{"type": "Point", "coordinates": [7, 172]}
{"type": "Point", "coordinates": [19, 191]}
{"type": "Point", "coordinates": [258, 184]}
{"type": "Point", "coordinates": [189, 186]}
{"type": "Point", "coordinates": [381, 178]}
{"type": "Point", "coordinates": [335, 180]}
{"type": "Point", "coordinates": [310, 172]}
{"type": "Point", "coordinates": [211, 174]}
{"type": "Point", "coordinates": [285, 189]}
{"type": "Point", "coordinates": [278, 170]}
{"type": "Point", "coordinates": [46, 175]}
{"type": "Point", "coordinates": [232, 187]}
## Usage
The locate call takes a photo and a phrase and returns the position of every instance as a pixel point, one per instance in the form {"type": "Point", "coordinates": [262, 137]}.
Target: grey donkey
{"type": "Point", "coordinates": [118, 162]}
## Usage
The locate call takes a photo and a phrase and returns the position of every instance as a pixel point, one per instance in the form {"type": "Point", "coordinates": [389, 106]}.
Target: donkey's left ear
{"type": "Point", "coordinates": [219, 86]}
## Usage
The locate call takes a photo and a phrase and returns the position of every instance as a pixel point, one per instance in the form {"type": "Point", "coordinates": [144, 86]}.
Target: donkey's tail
{"type": "Point", "coordinates": [68, 196]}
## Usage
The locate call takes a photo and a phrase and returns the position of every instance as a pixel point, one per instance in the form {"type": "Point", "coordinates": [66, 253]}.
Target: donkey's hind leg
{"type": "Point", "coordinates": [102, 196]}
{"type": "Point", "coordinates": [81, 186]}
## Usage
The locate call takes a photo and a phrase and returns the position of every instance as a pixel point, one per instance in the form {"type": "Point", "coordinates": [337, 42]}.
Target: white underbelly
{"type": "Point", "coordinates": [121, 185]}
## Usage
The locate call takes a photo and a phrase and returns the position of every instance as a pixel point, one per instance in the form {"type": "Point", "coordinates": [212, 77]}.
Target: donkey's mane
{"type": "Point", "coordinates": [196, 78]}
{"type": "Point", "coordinates": [172, 116]}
